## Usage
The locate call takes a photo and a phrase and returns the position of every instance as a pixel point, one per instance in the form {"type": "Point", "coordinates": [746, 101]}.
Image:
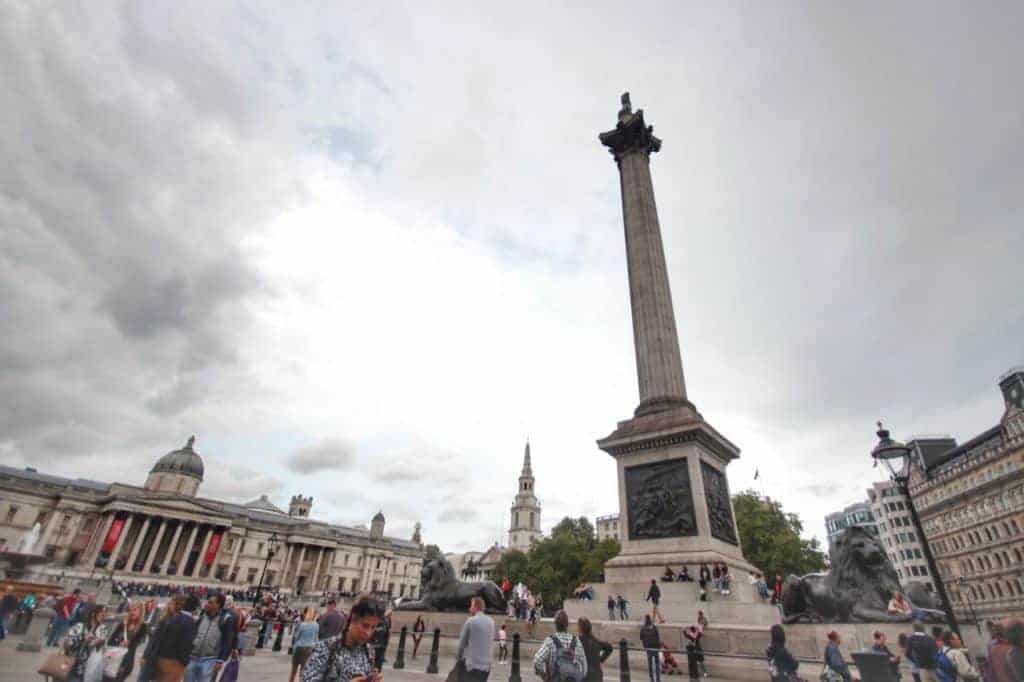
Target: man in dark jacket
{"type": "Point", "coordinates": [651, 640]}
{"type": "Point", "coordinates": [654, 596]}
{"type": "Point", "coordinates": [214, 640]}
{"type": "Point", "coordinates": [921, 650]}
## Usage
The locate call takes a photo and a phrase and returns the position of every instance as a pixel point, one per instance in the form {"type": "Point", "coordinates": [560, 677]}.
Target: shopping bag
{"type": "Point", "coordinates": [94, 667]}
{"type": "Point", "coordinates": [113, 656]}
{"type": "Point", "coordinates": [230, 673]}
{"type": "Point", "coordinates": [57, 666]}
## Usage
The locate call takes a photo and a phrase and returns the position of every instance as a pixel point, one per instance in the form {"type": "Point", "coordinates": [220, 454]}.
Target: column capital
{"type": "Point", "coordinates": [631, 133]}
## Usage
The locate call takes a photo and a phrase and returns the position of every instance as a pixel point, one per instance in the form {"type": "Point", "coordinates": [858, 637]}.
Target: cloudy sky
{"type": "Point", "coordinates": [364, 250]}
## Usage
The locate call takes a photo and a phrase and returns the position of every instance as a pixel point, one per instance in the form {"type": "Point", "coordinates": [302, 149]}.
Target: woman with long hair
{"type": "Point", "coordinates": [84, 639]}
{"type": "Point", "coordinates": [305, 636]}
{"type": "Point", "coordinates": [347, 657]}
{"type": "Point", "coordinates": [781, 664]}
{"type": "Point", "coordinates": [596, 651]}
{"type": "Point", "coordinates": [129, 633]}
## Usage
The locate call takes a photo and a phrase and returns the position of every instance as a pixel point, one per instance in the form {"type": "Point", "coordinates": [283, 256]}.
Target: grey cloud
{"type": "Point", "coordinates": [457, 515]}
{"type": "Point", "coordinates": [224, 480]}
{"type": "Point", "coordinates": [331, 454]}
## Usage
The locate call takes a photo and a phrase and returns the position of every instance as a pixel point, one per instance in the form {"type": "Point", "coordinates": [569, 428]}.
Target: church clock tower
{"type": "Point", "coordinates": [524, 528]}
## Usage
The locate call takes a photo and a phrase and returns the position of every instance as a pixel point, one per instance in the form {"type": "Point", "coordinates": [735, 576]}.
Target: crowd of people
{"type": "Point", "coordinates": [935, 656]}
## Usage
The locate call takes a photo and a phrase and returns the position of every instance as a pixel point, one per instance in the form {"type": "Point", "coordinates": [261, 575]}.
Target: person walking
{"type": "Point", "coordinates": [62, 618]}
{"type": "Point", "coordinates": [380, 640]}
{"type": "Point", "coordinates": [128, 634]}
{"type": "Point", "coordinates": [347, 657]}
{"type": "Point", "coordinates": [777, 589]}
{"type": "Point", "coordinates": [306, 635]}
{"type": "Point", "coordinates": [623, 608]}
{"type": "Point", "coordinates": [8, 608]}
{"type": "Point", "coordinates": [782, 665]}
{"type": "Point", "coordinates": [611, 607]}
{"type": "Point", "coordinates": [84, 641]}
{"type": "Point", "coordinates": [880, 646]}
{"type": "Point", "coordinates": [921, 649]}
{"type": "Point", "coordinates": [418, 628]}
{"type": "Point", "coordinates": [595, 650]}
{"type": "Point", "coordinates": [173, 648]}
{"type": "Point", "coordinates": [474, 653]}
{"type": "Point", "coordinates": [331, 622]}
{"type": "Point", "coordinates": [654, 596]}
{"type": "Point", "coordinates": [503, 644]}
{"type": "Point", "coordinates": [694, 651]}
{"type": "Point", "coordinates": [702, 621]}
{"type": "Point", "coordinates": [952, 663]}
{"type": "Point", "coordinates": [561, 657]}
{"type": "Point", "coordinates": [997, 662]}
{"type": "Point", "coordinates": [651, 640]}
{"type": "Point", "coordinates": [213, 642]}
{"type": "Point", "coordinates": [835, 667]}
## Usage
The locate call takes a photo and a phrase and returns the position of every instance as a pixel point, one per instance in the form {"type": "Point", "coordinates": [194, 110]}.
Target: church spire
{"type": "Point", "coordinates": [527, 470]}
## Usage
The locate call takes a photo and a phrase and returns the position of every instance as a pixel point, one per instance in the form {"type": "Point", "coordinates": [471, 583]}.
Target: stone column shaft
{"type": "Point", "coordinates": [141, 540]}
{"type": "Point", "coordinates": [285, 565]}
{"type": "Point", "coordinates": [188, 549]}
{"type": "Point", "coordinates": [169, 557]}
{"type": "Point", "coordinates": [234, 556]}
{"type": "Point", "coordinates": [94, 554]}
{"type": "Point", "coordinates": [44, 538]}
{"type": "Point", "coordinates": [316, 567]}
{"type": "Point", "coordinates": [151, 555]}
{"type": "Point", "coordinates": [198, 570]}
{"type": "Point", "coordinates": [129, 523]}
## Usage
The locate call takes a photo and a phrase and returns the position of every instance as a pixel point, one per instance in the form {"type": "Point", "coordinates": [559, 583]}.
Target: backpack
{"type": "Point", "coordinates": [944, 668]}
{"type": "Point", "coordinates": [563, 666]}
{"type": "Point", "coordinates": [925, 652]}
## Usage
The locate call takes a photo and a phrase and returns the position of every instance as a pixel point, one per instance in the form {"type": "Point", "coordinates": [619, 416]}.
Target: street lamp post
{"type": "Point", "coordinates": [896, 457]}
{"type": "Point", "coordinates": [271, 548]}
{"type": "Point", "coordinates": [962, 582]}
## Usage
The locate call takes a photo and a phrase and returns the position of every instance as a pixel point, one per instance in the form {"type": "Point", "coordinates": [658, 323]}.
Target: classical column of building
{"type": "Point", "coordinates": [129, 523]}
{"type": "Point", "coordinates": [298, 566]}
{"type": "Point", "coordinates": [188, 548]}
{"type": "Point", "coordinates": [147, 565]}
{"type": "Point", "coordinates": [94, 553]}
{"type": "Point", "coordinates": [286, 565]}
{"type": "Point", "coordinates": [234, 556]}
{"type": "Point", "coordinates": [316, 568]}
{"type": "Point", "coordinates": [172, 548]}
{"type": "Point", "coordinates": [139, 542]}
{"type": "Point", "coordinates": [197, 570]}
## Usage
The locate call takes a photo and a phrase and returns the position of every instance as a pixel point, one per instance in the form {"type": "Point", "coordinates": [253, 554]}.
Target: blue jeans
{"type": "Point", "coordinates": [57, 629]}
{"type": "Point", "coordinates": [653, 665]}
{"type": "Point", "coordinates": [200, 670]}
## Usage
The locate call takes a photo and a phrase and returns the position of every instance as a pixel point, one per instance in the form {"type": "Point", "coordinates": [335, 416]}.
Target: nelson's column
{"type": "Point", "coordinates": [674, 499]}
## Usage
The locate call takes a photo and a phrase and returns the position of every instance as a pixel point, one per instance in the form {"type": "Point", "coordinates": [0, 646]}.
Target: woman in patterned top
{"type": "Point", "coordinates": [346, 658]}
{"type": "Point", "coordinates": [83, 639]}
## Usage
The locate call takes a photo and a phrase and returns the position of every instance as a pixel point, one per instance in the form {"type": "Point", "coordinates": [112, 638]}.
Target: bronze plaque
{"type": "Point", "coordinates": [716, 492]}
{"type": "Point", "coordinates": [659, 500]}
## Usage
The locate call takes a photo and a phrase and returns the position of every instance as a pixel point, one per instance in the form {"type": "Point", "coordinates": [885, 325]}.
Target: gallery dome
{"type": "Point", "coordinates": [185, 461]}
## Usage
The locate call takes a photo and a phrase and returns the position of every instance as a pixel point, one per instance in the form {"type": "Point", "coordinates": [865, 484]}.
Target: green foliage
{"type": "Point", "coordinates": [580, 528]}
{"type": "Point", "coordinates": [557, 565]}
{"type": "Point", "coordinates": [771, 538]}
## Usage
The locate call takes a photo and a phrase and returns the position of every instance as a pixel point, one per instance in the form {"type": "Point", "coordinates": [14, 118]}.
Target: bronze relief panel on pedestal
{"type": "Point", "coordinates": [659, 500]}
{"type": "Point", "coordinates": [716, 492]}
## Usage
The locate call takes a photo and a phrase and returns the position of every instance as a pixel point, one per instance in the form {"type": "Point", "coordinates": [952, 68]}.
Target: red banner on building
{"type": "Point", "coordinates": [115, 532]}
{"type": "Point", "coordinates": [211, 551]}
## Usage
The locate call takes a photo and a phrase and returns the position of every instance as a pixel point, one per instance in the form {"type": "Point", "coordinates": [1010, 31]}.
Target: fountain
{"type": "Point", "coordinates": [13, 563]}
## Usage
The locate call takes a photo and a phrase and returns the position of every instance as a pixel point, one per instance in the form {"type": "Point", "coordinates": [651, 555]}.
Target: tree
{"type": "Point", "coordinates": [771, 538]}
{"type": "Point", "coordinates": [514, 565]}
{"type": "Point", "coordinates": [580, 528]}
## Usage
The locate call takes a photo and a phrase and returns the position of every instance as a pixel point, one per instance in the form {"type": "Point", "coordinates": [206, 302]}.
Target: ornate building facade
{"type": "Point", "coordinates": [164, 532]}
{"type": "Point", "coordinates": [524, 528]}
{"type": "Point", "coordinates": [971, 502]}
{"type": "Point", "coordinates": [896, 531]}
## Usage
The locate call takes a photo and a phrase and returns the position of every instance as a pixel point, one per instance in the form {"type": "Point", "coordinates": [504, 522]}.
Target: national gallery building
{"type": "Point", "coordinates": [163, 532]}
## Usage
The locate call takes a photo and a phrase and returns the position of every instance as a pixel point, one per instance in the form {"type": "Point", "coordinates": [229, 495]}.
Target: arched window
{"type": "Point", "coordinates": [1017, 554]}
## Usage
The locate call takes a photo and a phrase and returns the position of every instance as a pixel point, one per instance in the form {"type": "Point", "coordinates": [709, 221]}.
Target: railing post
{"type": "Point", "coordinates": [513, 675]}
{"type": "Point", "coordinates": [434, 649]}
{"type": "Point", "coordinates": [623, 661]}
{"type": "Point", "coordinates": [400, 656]}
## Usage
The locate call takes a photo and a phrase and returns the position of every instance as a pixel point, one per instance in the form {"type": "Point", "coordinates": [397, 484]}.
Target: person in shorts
{"type": "Point", "coordinates": [304, 639]}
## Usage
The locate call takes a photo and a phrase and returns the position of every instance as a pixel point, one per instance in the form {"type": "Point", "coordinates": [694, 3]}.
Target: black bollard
{"type": "Point", "coordinates": [434, 649]}
{"type": "Point", "coordinates": [513, 675]}
{"type": "Point", "coordinates": [623, 661]}
{"type": "Point", "coordinates": [400, 656]}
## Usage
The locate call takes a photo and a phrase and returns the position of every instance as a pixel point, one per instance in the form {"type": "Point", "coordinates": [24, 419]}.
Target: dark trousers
{"type": "Point", "coordinates": [653, 665]}
{"type": "Point", "coordinates": [475, 675]}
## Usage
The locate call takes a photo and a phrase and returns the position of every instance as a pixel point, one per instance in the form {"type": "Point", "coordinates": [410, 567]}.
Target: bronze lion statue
{"type": "Point", "coordinates": [856, 590]}
{"type": "Point", "coordinates": [443, 592]}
